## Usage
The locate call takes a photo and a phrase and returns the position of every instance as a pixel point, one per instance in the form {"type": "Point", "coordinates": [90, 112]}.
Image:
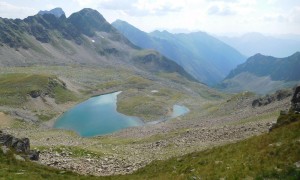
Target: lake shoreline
{"type": "Point", "coordinates": [131, 121]}
{"type": "Point", "coordinates": [84, 117]}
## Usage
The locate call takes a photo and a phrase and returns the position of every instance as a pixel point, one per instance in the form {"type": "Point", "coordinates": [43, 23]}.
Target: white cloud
{"type": "Point", "coordinates": [88, 3]}
{"type": "Point", "coordinates": [12, 11]}
{"type": "Point", "coordinates": [207, 15]}
{"type": "Point", "coordinates": [117, 4]}
{"type": "Point", "coordinates": [155, 7]}
{"type": "Point", "coordinates": [295, 15]}
{"type": "Point", "coordinates": [227, 1]}
{"type": "Point", "coordinates": [276, 18]}
{"type": "Point", "coordinates": [220, 11]}
{"type": "Point", "coordinates": [135, 7]}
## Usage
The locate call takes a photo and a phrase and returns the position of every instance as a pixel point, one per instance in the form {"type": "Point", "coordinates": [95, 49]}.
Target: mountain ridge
{"type": "Point", "coordinates": [277, 64]}
{"type": "Point", "coordinates": [83, 38]}
{"type": "Point", "coordinates": [57, 12]}
{"type": "Point", "coordinates": [198, 53]}
{"type": "Point", "coordinates": [263, 74]}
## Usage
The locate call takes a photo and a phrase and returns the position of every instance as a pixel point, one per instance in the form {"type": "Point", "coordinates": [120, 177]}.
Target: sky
{"type": "Point", "coordinates": [222, 17]}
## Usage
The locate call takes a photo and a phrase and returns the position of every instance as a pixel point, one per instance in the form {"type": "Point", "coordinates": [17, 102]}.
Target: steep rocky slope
{"type": "Point", "coordinates": [84, 38]}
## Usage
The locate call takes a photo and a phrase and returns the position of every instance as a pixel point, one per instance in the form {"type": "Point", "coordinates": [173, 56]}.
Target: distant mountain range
{"type": "Point", "coordinates": [263, 74]}
{"type": "Point", "coordinates": [84, 38]}
{"type": "Point", "coordinates": [253, 43]}
{"type": "Point", "coordinates": [203, 56]}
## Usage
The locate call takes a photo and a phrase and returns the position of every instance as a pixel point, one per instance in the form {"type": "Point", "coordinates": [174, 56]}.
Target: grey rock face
{"type": "Point", "coordinates": [33, 155]}
{"type": "Point", "coordinates": [296, 100]}
{"type": "Point", "coordinates": [268, 99]}
{"type": "Point", "coordinates": [20, 146]}
{"type": "Point", "coordinates": [293, 114]}
{"type": "Point", "coordinates": [5, 139]}
{"type": "Point", "coordinates": [57, 12]}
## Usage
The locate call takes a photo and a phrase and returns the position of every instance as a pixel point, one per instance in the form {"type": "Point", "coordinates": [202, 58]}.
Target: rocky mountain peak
{"type": "Point", "coordinates": [57, 12]}
{"type": "Point", "coordinates": [88, 21]}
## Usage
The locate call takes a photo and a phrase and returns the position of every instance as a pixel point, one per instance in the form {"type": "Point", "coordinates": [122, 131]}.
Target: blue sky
{"type": "Point", "coordinates": [213, 16]}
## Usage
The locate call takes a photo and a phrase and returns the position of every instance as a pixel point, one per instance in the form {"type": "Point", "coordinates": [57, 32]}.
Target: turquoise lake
{"type": "Point", "coordinates": [98, 116]}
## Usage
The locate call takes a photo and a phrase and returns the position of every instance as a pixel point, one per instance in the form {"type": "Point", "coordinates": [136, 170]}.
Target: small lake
{"type": "Point", "coordinates": [98, 116]}
{"type": "Point", "coordinates": [179, 111]}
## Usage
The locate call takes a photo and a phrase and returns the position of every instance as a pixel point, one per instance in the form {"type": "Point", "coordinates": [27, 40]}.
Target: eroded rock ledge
{"type": "Point", "coordinates": [21, 147]}
{"type": "Point", "coordinates": [293, 114]}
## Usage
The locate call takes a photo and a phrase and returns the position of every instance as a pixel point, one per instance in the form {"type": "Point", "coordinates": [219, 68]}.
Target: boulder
{"type": "Point", "coordinates": [5, 139]}
{"type": "Point", "coordinates": [18, 157]}
{"type": "Point", "coordinates": [35, 93]}
{"type": "Point", "coordinates": [33, 155]}
{"type": "Point", "coordinates": [296, 100]}
{"type": "Point", "coordinates": [20, 146]}
{"type": "Point", "coordinates": [282, 94]}
{"type": "Point", "coordinates": [268, 99]}
{"type": "Point", "coordinates": [4, 149]}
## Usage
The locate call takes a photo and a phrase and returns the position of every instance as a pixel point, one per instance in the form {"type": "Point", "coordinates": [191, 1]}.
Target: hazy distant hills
{"type": "Point", "coordinates": [263, 74]}
{"type": "Point", "coordinates": [253, 43]}
{"type": "Point", "coordinates": [84, 38]}
{"type": "Point", "coordinates": [205, 57]}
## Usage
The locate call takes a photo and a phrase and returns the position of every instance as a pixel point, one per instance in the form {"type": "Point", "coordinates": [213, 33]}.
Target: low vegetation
{"type": "Point", "coordinates": [146, 104]}
{"type": "Point", "coordinates": [268, 156]}
{"type": "Point", "coordinates": [11, 168]}
{"type": "Point", "coordinates": [17, 87]}
{"type": "Point", "coordinates": [14, 88]}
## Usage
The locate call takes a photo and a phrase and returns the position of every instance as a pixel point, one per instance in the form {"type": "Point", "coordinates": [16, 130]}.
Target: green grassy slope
{"type": "Point", "coordinates": [15, 88]}
{"type": "Point", "coordinates": [13, 169]}
{"type": "Point", "coordinates": [268, 156]}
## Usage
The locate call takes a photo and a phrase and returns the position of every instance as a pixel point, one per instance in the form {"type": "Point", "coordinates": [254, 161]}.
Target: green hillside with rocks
{"type": "Point", "coordinates": [273, 155]}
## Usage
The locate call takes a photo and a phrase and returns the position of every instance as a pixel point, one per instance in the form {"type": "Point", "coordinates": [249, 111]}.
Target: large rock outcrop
{"type": "Point", "coordinates": [296, 101]}
{"type": "Point", "coordinates": [268, 99]}
{"type": "Point", "coordinates": [293, 114]}
{"type": "Point", "coordinates": [20, 146]}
